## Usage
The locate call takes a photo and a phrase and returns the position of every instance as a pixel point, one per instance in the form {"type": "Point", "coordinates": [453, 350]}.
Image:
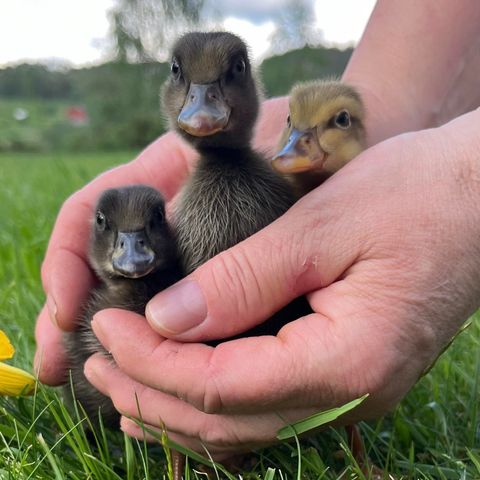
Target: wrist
{"type": "Point", "coordinates": [417, 65]}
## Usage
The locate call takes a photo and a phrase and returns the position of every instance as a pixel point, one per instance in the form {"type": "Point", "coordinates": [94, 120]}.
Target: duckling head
{"type": "Point", "coordinates": [210, 97]}
{"type": "Point", "coordinates": [129, 235]}
{"type": "Point", "coordinates": [324, 128]}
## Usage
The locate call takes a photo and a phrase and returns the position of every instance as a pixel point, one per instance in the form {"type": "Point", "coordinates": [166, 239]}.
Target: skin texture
{"type": "Point", "coordinates": [389, 281]}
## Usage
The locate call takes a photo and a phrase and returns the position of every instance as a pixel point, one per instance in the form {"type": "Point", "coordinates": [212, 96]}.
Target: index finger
{"type": "Point", "coordinates": [66, 275]}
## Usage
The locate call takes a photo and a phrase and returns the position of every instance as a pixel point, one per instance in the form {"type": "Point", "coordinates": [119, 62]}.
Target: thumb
{"type": "Point", "coordinates": [246, 284]}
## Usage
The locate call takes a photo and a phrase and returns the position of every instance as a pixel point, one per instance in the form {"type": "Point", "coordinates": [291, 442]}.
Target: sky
{"type": "Point", "coordinates": [77, 30]}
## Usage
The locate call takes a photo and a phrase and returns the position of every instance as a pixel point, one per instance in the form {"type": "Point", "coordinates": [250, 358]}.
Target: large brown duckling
{"type": "Point", "coordinates": [324, 131]}
{"type": "Point", "coordinates": [133, 253]}
{"type": "Point", "coordinates": [211, 100]}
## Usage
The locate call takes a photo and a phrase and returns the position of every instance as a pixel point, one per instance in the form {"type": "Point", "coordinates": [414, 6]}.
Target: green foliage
{"type": "Point", "coordinates": [432, 434]}
{"type": "Point", "coordinates": [281, 72]}
{"type": "Point", "coordinates": [34, 81]}
{"type": "Point", "coordinates": [123, 103]}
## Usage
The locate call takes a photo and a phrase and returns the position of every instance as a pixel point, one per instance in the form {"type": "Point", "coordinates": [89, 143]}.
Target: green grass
{"type": "Point", "coordinates": [433, 434]}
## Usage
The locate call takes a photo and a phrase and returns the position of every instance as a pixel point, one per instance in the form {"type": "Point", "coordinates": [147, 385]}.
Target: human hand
{"type": "Point", "coordinates": [388, 251]}
{"type": "Point", "coordinates": [66, 275]}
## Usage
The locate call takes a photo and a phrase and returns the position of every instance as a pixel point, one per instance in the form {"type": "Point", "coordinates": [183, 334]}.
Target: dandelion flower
{"type": "Point", "coordinates": [13, 381]}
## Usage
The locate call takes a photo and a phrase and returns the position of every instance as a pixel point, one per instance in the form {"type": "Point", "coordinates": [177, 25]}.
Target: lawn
{"type": "Point", "coordinates": [433, 434]}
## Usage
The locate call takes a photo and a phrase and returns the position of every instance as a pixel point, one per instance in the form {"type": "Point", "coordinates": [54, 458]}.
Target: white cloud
{"type": "Point", "coordinates": [256, 36]}
{"type": "Point", "coordinates": [33, 29]}
{"type": "Point", "coordinates": [258, 11]}
{"type": "Point", "coordinates": [343, 22]}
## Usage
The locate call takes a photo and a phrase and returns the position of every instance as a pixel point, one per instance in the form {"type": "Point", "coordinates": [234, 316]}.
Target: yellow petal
{"type": "Point", "coordinates": [6, 348]}
{"type": "Point", "coordinates": [15, 382]}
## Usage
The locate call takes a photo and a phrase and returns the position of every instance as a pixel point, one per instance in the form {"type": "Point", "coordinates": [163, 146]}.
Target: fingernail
{"type": "Point", "coordinates": [52, 309]}
{"type": "Point", "coordinates": [90, 371]}
{"type": "Point", "coordinates": [178, 308]}
{"type": "Point", "coordinates": [99, 331]}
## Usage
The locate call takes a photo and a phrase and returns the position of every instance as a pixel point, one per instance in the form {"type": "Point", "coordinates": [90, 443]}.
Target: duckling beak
{"type": "Point", "coordinates": [301, 153]}
{"type": "Point", "coordinates": [205, 111]}
{"type": "Point", "coordinates": [132, 256]}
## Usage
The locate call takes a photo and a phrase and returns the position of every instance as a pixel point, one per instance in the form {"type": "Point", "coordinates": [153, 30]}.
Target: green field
{"type": "Point", "coordinates": [433, 434]}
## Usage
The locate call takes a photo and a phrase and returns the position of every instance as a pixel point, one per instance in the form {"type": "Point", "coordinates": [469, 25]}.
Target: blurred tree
{"type": "Point", "coordinates": [34, 81]}
{"type": "Point", "coordinates": [295, 27]}
{"type": "Point", "coordinates": [143, 29]}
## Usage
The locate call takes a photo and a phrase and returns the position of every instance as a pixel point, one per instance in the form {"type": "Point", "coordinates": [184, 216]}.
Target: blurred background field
{"type": "Point", "coordinates": [116, 105]}
{"type": "Point", "coordinates": [88, 76]}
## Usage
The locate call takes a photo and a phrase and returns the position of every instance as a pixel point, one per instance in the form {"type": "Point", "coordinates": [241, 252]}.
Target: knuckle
{"type": "Point", "coordinates": [234, 277]}
{"type": "Point", "coordinates": [128, 402]}
{"type": "Point", "coordinates": [218, 434]}
{"type": "Point", "coordinates": [212, 402]}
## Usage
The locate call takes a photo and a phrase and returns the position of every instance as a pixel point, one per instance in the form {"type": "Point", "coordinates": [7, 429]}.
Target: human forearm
{"type": "Point", "coordinates": [416, 64]}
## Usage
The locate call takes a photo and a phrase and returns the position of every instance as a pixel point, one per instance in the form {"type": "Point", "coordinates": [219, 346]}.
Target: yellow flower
{"type": "Point", "coordinates": [13, 381]}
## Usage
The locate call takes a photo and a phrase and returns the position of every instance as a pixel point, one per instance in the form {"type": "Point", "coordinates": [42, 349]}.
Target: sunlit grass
{"type": "Point", "coordinates": [433, 434]}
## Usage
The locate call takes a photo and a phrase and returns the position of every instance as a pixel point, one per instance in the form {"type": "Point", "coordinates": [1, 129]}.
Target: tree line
{"type": "Point", "coordinates": [122, 99]}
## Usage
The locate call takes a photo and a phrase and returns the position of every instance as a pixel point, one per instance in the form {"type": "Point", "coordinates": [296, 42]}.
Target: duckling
{"type": "Point", "coordinates": [325, 130]}
{"type": "Point", "coordinates": [133, 253]}
{"type": "Point", "coordinates": [211, 99]}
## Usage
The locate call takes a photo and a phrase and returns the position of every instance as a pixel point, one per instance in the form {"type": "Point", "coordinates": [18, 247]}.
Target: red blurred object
{"type": "Point", "coordinates": [77, 115]}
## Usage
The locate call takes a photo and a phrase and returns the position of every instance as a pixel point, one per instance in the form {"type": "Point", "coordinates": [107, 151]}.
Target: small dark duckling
{"type": "Point", "coordinates": [133, 253]}
{"type": "Point", "coordinates": [324, 132]}
{"type": "Point", "coordinates": [211, 99]}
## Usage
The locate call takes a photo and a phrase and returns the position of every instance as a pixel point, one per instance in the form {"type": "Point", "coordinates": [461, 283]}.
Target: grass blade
{"type": "Point", "coordinates": [317, 420]}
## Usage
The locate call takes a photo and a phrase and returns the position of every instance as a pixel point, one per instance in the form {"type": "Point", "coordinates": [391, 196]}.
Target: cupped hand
{"type": "Point", "coordinates": [387, 251]}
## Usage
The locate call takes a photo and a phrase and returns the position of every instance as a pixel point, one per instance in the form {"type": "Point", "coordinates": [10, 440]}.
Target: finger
{"type": "Point", "coordinates": [50, 360]}
{"type": "Point", "coordinates": [152, 434]}
{"type": "Point", "coordinates": [296, 368]}
{"type": "Point", "coordinates": [156, 408]}
{"type": "Point", "coordinates": [271, 122]}
{"type": "Point", "coordinates": [166, 163]}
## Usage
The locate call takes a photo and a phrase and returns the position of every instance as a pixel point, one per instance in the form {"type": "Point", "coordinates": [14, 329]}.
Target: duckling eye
{"type": "Point", "coordinates": [342, 119]}
{"type": "Point", "coordinates": [158, 218]}
{"type": "Point", "coordinates": [289, 122]}
{"type": "Point", "coordinates": [100, 220]}
{"type": "Point", "coordinates": [240, 66]}
{"type": "Point", "coordinates": [175, 68]}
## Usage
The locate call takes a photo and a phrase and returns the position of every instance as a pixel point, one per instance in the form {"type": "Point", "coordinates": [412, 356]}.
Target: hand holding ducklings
{"type": "Point", "coordinates": [388, 247]}
{"type": "Point", "coordinates": [385, 297]}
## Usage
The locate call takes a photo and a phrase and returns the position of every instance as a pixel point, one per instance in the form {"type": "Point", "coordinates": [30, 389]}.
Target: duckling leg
{"type": "Point", "coordinates": [359, 453]}
{"type": "Point", "coordinates": [355, 442]}
{"type": "Point", "coordinates": [178, 464]}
